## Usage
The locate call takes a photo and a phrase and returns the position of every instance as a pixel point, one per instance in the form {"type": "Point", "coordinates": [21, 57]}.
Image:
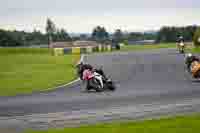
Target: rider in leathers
{"type": "Point", "coordinates": [82, 67]}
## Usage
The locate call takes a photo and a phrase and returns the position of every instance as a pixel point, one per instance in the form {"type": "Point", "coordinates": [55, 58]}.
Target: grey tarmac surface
{"type": "Point", "coordinates": [149, 84]}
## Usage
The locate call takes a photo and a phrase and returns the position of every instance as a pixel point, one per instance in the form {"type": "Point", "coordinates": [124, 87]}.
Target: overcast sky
{"type": "Point", "coordinates": [84, 15]}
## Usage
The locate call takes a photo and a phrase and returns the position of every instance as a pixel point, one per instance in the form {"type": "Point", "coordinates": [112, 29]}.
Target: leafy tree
{"type": "Point", "coordinates": [125, 42]}
{"type": "Point", "coordinates": [7, 39]}
{"type": "Point", "coordinates": [61, 35]}
{"type": "Point", "coordinates": [170, 34]}
{"type": "Point", "coordinates": [100, 34]}
{"type": "Point", "coordinates": [21, 38]}
{"type": "Point", "coordinates": [135, 36]}
{"type": "Point", "coordinates": [196, 38]}
{"type": "Point", "coordinates": [50, 29]}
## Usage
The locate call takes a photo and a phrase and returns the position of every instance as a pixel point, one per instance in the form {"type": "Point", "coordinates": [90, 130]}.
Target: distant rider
{"type": "Point", "coordinates": [180, 41]}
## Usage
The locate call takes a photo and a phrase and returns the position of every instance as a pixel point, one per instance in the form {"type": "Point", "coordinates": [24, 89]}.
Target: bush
{"type": "Point", "coordinates": [125, 42]}
{"type": "Point", "coordinates": [196, 38]}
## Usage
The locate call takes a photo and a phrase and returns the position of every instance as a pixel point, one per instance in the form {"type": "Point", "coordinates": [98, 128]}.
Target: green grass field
{"type": "Point", "coordinates": [142, 47]}
{"type": "Point", "coordinates": [23, 73]}
{"type": "Point", "coordinates": [195, 50]}
{"type": "Point", "coordinates": [147, 47]}
{"type": "Point", "coordinates": [157, 46]}
{"type": "Point", "coordinates": [4, 51]}
{"type": "Point", "coordinates": [185, 124]}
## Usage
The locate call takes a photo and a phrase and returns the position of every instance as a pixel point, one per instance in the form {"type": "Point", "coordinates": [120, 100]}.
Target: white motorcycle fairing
{"type": "Point", "coordinates": [181, 44]}
{"type": "Point", "coordinates": [99, 77]}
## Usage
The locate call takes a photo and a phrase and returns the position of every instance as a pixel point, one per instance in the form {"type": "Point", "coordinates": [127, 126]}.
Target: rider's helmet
{"type": "Point", "coordinates": [180, 39]}
{"type": "Point", "coordinates": [189, 58]}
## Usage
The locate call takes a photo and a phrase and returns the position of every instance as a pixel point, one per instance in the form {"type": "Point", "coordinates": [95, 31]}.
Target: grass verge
{"type": "Point", "coordinates": [141, 47]}
{"type": "Point", "coordinates": [186, 124]}
{"type": "Point", "coordinates": [4, 51]}
{"type": "Point", "coordinates": [27, 73]}
{"type": "Point", "coordinates": [147, 47]}
{"type": "Point", "coordinates": [195, 50]}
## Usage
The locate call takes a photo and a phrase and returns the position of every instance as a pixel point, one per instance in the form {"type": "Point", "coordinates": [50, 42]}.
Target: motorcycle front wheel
{"type": "Point", "coordinates": [96, 85]}
{"type": "Point", "coordinates": [111, 86]}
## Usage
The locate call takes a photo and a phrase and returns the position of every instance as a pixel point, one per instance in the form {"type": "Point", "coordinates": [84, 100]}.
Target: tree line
{"type": "Point", "coordinates": [21, 38]}
{"type": "Point", "coordinates": [170, 34]}
{"type": "Point", "coordinates": [99, 34]}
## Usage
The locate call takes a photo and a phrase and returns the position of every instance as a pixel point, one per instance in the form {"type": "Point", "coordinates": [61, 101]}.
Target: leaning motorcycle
{"type": "Point", "coordinates": [96, 80]}
{"type": "Point", "coordinates": [93, 81]}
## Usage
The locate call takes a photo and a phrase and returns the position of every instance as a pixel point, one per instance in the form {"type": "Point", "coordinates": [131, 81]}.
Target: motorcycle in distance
{"type": "Point", "coordinates": [95, 80]}
{"type": "Point", "coordinates": [181, 47]}
{"type": "Point", "coordinates": [193, 65]}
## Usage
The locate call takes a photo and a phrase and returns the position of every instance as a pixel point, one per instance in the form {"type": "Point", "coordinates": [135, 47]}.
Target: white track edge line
{"type": "Point", "coordinates": [74, 81]}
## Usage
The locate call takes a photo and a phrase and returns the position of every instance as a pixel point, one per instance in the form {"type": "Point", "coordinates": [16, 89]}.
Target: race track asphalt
{"type": "Point", "coordinates": [149, 84]}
